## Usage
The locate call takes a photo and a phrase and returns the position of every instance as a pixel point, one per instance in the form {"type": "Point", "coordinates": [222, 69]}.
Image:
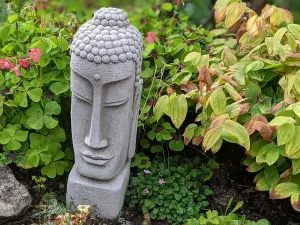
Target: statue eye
{"type": "Point", "coordinates": [117, 103]}
{"type": "Point", "coordinates": [82, 98]}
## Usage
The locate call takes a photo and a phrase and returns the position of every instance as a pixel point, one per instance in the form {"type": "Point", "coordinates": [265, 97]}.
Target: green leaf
{"type": "Point", "coordinates": [256, 65]}
{"type": "Point", "coordinates": [234, 13]}
{"type": "Point", "coordinates": [218, 101]}
{"type": "Point", "coordinates": [296, 166]}
{"type": "Point", "coordinates": [272, 156]}
{"type": "Point", "coordinates": [34, 155]}
{"type": "Point", "coordinates": [45, 44]}
{"type": "Point", "coordinates": [59, 87]}
{"type": "Point", "coordinates": [211, 137]}
{"type": "Point", "coordinates": [284, 190]}
{"type": "Point", "coordinates": [292, 41]}
{"type": "Point", "coordinates": [178, 109]}
{"type": "Point", "coordinates": [285, 133]}
{"type": "Point", "coordinates": [63, 43]}
{"type": "Point", "coordinates": [52, 108]}
{"type": "Point", "coordinates": [189, 130]}
{"type": "Point", "coordinates": [167, 7]}
{"type": "Point", "coordinates": [252, 91]}
{"type": "Point", "coordinates": [4, 137]}
{"type": "Point", "coordinates": [156, 149]}
{"type": "Point", "coordinates": [57, 134]}
{"type": "Point", "coordinates": [21, 135]}
{"type": "Point", "coordinates": [271, 175]}
{"type": "Point", "coordinates": [193, 57]}
{"type": "Point", "coordinates": [176, 146]}
{"type": "Point", "coordinates": [54, 168]}
{"type": "Point", "coordinates": [237, 206]}
{"type": "Point", "coordinates": [263, 185]}
{"type": "Point", "coordinates": [13, 145]}
{"type": "Point", "coordinates": [50, 122]}
{"type": "Point", "coordinates": [159, 107]}
{"type": "Point", "coordinates": [35, 94]}
{"type": "Point", "coordinates": [21, 99]}
{"type": "Point", "coordinates": [60, 63]}
{"type": "Point", "coordinates": [235, 133]}
{"type": "Point", "coordinates": [12, 18]}
{"type": "Point", "coordinates": [280, 120]}
{"type": "Point", "coordinates": [292, 148]}
{"type": "Point", "coordinates": [255, 167]}
{"type": "Point", "coordinates": [295, 30]}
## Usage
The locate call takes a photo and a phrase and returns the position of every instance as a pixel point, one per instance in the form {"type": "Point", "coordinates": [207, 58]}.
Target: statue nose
{"type": "Point", "coordinates": [95, 137]}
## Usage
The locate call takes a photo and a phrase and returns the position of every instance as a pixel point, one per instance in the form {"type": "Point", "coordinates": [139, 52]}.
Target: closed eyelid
{"type": "Point", "coordinates": [82, 98]}
{"type": "Point", "coordinates": [116, 103]}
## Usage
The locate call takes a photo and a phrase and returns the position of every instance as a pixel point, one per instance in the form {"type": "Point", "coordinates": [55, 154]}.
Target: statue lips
{"type": "Point", "coordinates": [97, 160]}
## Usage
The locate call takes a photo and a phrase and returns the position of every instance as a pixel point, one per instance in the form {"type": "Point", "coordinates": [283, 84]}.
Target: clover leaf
{"type": "Point", "coordinates": [12, 136]}
{"type": "Point", "coordinates": [53, 168]}
{"type": "Point", "coordinates": [37, 117]}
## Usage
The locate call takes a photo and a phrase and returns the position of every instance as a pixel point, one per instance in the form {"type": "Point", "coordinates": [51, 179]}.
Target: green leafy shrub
{"type": "Point", "coordinates": [212, 217]}
{"type": "Point", "coordinates": [244, 90]}
{"type": "Point", "coordinates": [34, 84]}
{"type": "Point", "coordinates": [172, 189]}
{"type": "Point", "coordinates": [168, 39]}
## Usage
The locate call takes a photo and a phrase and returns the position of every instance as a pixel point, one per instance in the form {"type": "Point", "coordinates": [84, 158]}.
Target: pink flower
{"type": "Point", "coordinates": [146, 190]}
{"type": "Point", "coordinates": [35, 54]}
{"type": "Point", "coordinates": [17, 71]}
{"type": "Point", "coordinates": [178, 2]}
{"type": "Point", "coordinates": [147, 172]}
{"type": "Point", "coordinates": [161, 181]}
{"type": "Point", "coordinates": [24, 63]}
{"type": "Point", "coordinates": [6, 64]}
{"type": "Point", "coordinates": [151, 37]}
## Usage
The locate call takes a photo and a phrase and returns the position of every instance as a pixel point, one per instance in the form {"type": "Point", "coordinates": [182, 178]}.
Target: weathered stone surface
{"type": "Point", "coordinates": [106, 59]}
{"type": "Point", "coordinates": [14, 197]}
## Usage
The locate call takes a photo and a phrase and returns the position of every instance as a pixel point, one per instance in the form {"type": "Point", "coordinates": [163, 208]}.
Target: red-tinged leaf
{"type": "Point", "coordinates": [188, 86]}
{"type": "Point", "coordinates": [244, 108]}
{"type": "Point", "coordinates": [228, 79]}
{"type": "Point", "coordinates": [255, 167]}
{"type": "Point", "coordinates": [187, 140]}
{"type": "Point", "coordinates": [220, 15]}
{"type": "Point", "coordinates": [284, 190]}
{"type": "Point", "coordinates": [276, 107]}
{"type": "Point", "coordinates": [197, 140]}
{"type": "Point", "coordinates": [286, 175]}
{"type": "Point", "coordinates": [259, 123]}
{"type": "Point", "coordinates": [170, 91]}
{"type": "Point", "coordinates": [205, 76]}
{"type": "Point", "coordinates": [295, 200]}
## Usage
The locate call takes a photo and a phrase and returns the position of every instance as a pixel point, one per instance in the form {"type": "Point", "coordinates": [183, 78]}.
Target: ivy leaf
{"type": "Point", "coordinates": [177, 108]}
{"type": "Point", "coordinates": [59, 87]}
{"type": "Point", "coordinates": [35, 94]}
{"type": "Point", "coordinates": [218, 101]}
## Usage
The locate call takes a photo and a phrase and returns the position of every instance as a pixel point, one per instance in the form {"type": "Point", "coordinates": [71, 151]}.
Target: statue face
{"type": "Point", "coordinates": [102, 110]}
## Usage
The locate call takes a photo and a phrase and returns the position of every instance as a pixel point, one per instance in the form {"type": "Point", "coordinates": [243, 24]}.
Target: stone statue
{"type": "Point", "coordinates": [106, 57]}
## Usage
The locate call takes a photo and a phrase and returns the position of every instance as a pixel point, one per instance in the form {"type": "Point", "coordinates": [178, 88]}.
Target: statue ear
{"type": "Point", "coordinates": [135, 117]}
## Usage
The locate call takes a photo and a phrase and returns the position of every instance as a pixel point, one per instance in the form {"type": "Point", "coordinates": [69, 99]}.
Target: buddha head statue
{"type": "Point", "coordinates": [106, 57]}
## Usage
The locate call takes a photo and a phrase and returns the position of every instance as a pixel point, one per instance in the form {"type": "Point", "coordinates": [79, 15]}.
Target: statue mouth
{"type": "Point", "coordinates": [97, 160]}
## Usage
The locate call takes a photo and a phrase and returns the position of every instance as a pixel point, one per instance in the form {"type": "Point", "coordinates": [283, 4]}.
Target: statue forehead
{"type": "Point", "coordinates": [105, 72]}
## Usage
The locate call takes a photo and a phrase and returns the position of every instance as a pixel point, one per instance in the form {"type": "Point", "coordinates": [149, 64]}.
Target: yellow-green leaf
{"type": "Point", "coordinates": [234, 13]}
{"type": "Point", "coordinates": [285, 133]}
{"type": "Point", "coordinates": [178, 110]}
{"type": "Point", "coordinates": [159, 107]}
{"type": "Point", "coordinates": [211, 137]}
{"type": "Point", "coordinates": [218, 101]}
{"type": "Point", "coordinates": [280, 120]}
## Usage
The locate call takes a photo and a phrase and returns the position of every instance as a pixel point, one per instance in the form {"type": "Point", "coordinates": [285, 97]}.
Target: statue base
{"type": "Point", "coordinates": [106, 197]}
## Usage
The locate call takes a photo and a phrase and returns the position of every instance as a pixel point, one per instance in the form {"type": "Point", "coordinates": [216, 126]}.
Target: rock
{"type": "Point", "coordinates": [14, 196]}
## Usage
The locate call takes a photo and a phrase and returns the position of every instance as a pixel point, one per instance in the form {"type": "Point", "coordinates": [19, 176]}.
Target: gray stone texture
{"type": "Point", "coordinates": [14, 197]}
{"type": "Point", "coordinates": [106, 58]}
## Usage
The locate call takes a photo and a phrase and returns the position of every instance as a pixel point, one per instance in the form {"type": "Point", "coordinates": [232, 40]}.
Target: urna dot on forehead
{"type": "Point", "coordinates": [108, 38]}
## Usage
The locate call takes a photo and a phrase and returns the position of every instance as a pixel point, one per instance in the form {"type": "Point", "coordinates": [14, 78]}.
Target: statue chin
{"type": "Point", "coordinates": [92, 169]}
